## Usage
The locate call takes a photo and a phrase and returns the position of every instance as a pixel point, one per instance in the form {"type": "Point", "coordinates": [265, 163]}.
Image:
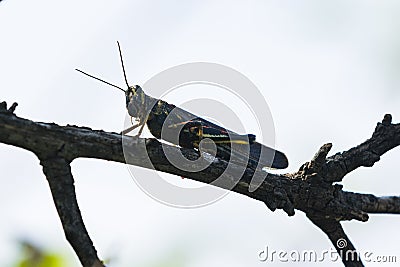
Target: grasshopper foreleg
{"type": "Point", "coordinates": [130, 129]}
{"type": "Point", "coordinates": [141, 128]}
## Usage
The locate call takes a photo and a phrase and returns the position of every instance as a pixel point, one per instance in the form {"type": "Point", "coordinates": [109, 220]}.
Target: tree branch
{"type": "Point", "coordinates": [311, 189]}
{"type": "Point", "coordinates": [373, 204]}
{"type": "Point", "coordinates": [334, 230]}
{"type": "Point", "coordinates": [385, 137]}
{"type": "Point", "coordinates": [61, 182]}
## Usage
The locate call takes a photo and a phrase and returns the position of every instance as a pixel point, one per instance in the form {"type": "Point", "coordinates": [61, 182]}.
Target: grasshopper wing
{"type": "Point", "coordinates": [255, 155]}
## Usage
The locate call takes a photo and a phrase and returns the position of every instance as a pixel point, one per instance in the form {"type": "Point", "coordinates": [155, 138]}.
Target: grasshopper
{"type": "Point", "coordinates": [180, 127]}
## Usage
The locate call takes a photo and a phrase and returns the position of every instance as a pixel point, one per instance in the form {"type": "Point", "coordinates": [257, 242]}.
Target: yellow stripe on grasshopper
{"type": "Point", "coordinates": [239, 142]}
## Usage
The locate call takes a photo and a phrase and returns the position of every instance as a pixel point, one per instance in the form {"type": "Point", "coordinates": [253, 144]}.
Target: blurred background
{"type": "Point", "coordinates": [329, 71]}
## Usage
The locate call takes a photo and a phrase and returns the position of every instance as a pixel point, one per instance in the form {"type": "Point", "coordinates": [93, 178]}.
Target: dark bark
{"type": "Point", "coordinates": [340, 241]}
{"type": "Point", "coordinates": [61, 182]}
{"type": "Point", "coordinates": [313, 189]}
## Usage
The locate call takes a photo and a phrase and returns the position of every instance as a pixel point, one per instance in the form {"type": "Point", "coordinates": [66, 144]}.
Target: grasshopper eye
{"type": "Point", "coordinates": [131, 92]}
{"type": "Point", "coordinates": [128, 96]}
{"type": "Point", "coordinates": [132, 89]}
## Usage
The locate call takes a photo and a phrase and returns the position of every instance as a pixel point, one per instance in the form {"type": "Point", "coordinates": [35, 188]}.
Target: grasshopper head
{"type": "Point", "coordinates": [134, 100]}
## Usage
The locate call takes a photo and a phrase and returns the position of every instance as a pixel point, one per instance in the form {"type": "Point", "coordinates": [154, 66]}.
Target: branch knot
{"type": "Point", "coordinates": [3, 107]}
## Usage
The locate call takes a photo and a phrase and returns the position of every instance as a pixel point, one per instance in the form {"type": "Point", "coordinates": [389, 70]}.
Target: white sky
{"type": "Point", "coordinates": [329, 71]}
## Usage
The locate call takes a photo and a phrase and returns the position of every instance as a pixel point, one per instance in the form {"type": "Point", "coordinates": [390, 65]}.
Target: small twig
{"type": "Point", "coordinates": [3, 107]}
{"type": "Point", "coordinates": [385, 137]}
{"type": "Point", "coordinates": [373, 204]}
{"type": "Point", "coordinates": [61, 182]}
{"type": "Point", "coordinates": [334, 231]}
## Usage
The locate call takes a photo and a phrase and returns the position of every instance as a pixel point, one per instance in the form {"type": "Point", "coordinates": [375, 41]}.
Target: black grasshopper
{"type": "Point", "coordinates": [180, 127]}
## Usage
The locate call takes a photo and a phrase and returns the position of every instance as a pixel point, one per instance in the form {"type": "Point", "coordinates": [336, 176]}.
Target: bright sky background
{"type": "Point", "coordinates": [329, 71]}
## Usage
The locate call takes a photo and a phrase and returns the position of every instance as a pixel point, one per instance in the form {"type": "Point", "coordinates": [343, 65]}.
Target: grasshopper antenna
{"type": "Point", "coordinates": [91, 76]}
{"type": "Point", "coordinates": [122, 63]}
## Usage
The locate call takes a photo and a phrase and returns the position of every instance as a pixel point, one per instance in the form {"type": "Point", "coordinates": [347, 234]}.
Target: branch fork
{"type": "Point", "coordinates": [313, 189]}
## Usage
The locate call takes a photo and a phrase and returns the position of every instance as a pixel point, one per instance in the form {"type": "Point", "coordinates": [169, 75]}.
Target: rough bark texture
{"type": "Point", "coordinates": [312, 189]}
